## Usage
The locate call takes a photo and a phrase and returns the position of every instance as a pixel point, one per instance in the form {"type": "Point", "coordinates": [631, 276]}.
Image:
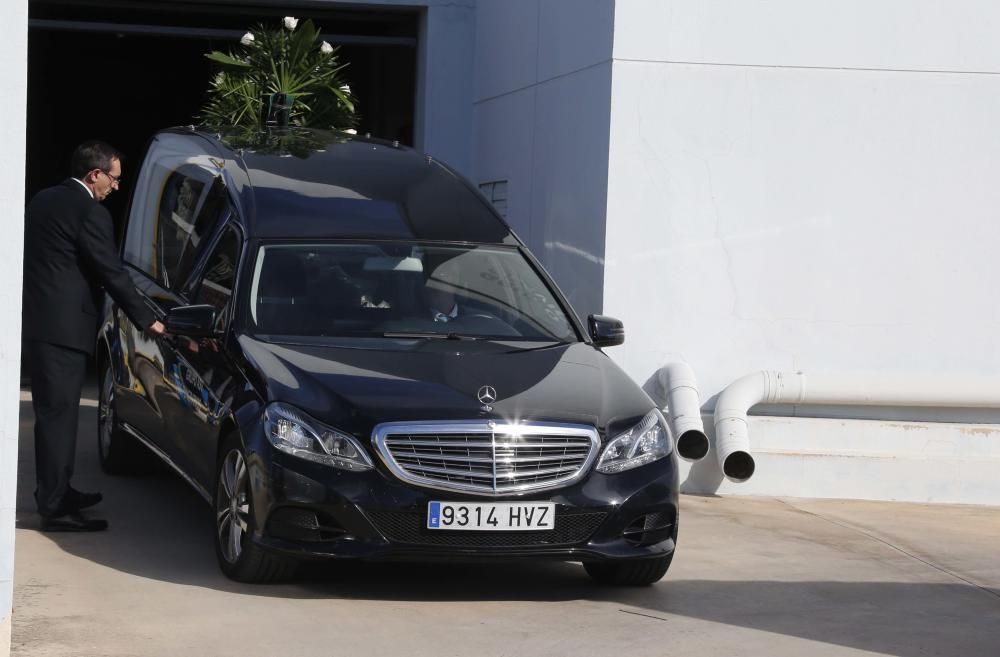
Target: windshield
{"type": "Point", "coordinates": [396, 289]}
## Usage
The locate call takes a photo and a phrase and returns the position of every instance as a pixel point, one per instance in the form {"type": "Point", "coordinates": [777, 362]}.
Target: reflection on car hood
{"type": "Point", "coordinates": [357, 384]}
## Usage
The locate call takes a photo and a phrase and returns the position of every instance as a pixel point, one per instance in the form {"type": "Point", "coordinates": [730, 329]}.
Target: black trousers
{"type": "Point", "coordinates": [57, 374]}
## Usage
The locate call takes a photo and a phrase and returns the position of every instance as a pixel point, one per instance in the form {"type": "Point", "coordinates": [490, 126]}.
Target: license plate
{"type": "Point", "coordinates": [491, 516]}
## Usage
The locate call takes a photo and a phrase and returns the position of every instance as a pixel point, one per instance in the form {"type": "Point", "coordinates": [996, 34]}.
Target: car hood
{"type": "Point", "coordinates": [359, 383]}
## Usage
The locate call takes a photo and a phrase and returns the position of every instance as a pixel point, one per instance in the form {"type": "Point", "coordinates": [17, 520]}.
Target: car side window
{"type": "Point", "coordinates": [212, 208]}
{"type": "Point", "coordinates": [178, 207]}
{"type": "Point", "coordinates": [216, 287]}
{"type": "Point", "coordinates": [173, 209]}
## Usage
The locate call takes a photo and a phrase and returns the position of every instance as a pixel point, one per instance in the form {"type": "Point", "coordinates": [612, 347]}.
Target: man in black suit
{"type": "Point", "coordinates": [70, 260]}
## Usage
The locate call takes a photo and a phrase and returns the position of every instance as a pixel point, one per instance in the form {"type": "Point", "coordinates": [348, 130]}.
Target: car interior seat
{"type": "Point", "coordinates": [282, 306]}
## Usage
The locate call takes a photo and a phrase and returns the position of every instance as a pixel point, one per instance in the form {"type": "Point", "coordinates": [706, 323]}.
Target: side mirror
{"type": "Point", "coordinates": [606, 331]}
{"type": "Point", "coordinates": [192, 321]}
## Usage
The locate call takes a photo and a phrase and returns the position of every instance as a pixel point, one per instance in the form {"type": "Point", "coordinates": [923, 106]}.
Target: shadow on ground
{"type": "Point", "coordinates": [161, 529]}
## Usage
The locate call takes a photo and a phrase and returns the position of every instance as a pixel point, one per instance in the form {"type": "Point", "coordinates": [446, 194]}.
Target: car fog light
{"type": "Point", "coordinates": [293, 432]}
{"type": "Point", "coordinates": [648, 441]}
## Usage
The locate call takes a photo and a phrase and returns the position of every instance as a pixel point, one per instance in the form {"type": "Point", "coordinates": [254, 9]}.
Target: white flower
{"type": "Point", "coordinates": [291, 22]}
{"type": "Point", "coordinates": [346, 88]}
{"type": "Point", "coordinates": [325, 48]}
{"type": "Point", "coordinates": [247, 39]}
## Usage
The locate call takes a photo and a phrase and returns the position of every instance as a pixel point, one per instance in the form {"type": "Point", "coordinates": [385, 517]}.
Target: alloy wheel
{"type": "Point", "coordinates": [106, 413]}
{"type": "Point", "coordinates": [232, 506]}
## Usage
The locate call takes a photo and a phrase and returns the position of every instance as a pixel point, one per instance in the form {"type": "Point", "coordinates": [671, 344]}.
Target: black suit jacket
{"type": "Point", "coordinates": [70, 258]}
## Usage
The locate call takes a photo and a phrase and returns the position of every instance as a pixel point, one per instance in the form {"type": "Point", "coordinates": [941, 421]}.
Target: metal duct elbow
{"type": "Point", "coordinates": [732, 436]}
{"type": "Point", "coordinates": [732, 441]}
{"type": "Point", "coordinates": [681, 389]}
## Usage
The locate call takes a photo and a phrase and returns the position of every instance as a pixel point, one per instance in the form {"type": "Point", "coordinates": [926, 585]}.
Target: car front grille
{"type": "Point", "coordinates": [410, 527]}
{"type": "Point", "coordinates": [487, 458]}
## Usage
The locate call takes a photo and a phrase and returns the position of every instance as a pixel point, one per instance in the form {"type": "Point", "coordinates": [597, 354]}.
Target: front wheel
{"type": "Point", "coordinates": [239, 557]}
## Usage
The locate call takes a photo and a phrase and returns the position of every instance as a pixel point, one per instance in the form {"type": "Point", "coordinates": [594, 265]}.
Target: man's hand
{"type": "Point", "coordinates": [157, 328]}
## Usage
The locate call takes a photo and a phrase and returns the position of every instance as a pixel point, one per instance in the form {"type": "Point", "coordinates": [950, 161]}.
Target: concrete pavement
{"type": "Point", "coordinates": [753, 576]}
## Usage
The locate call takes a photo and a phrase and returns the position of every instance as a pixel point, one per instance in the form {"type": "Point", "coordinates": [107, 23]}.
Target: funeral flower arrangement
{"type": "Point", "coordinates": [286, 76]}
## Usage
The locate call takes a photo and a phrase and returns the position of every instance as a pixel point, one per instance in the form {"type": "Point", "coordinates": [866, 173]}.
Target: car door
{"type": "Point", "coordinates": [137, 401]}
{"type": "Point", "coordinates": [200, 374]}
{"type": "Point", "coordinates": [177, 205]}
{"type": "Point", "coordinates": [169, 208]}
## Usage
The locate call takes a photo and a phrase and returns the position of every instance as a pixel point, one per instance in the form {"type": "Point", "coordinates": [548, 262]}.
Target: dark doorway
{"type": "Point", "coordinates": [119, 70]}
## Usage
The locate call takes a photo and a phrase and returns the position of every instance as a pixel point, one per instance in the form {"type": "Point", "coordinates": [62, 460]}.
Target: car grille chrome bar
{"type": "Point", "coordinates": [487, 458]}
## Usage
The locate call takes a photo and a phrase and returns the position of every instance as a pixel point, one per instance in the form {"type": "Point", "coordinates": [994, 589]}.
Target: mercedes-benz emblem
{"type": "Point", "coordinates": [487, 395]}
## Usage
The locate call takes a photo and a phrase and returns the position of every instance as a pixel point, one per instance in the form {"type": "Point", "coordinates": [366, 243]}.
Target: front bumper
{"type": "Point", "coordinates": [311, 511]}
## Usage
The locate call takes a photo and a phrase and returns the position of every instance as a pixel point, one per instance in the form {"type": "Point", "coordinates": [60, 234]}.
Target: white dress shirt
{"type": "Point", "coordinates": [85, 187]}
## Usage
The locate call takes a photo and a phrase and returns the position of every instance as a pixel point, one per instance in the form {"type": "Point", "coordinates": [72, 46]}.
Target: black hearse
{"type": "Point", "coordinates": [363, 361]}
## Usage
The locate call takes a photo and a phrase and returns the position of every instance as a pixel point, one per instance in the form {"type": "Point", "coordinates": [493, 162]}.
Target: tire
{"type": "Point", "coordinates": [640, 572]}
{"type": "Point", "coordinates": [239, 557]}
{"type": "Point", "coordinates": [118, 452]}
{"type": "Point", "coordinates": [630, 573]}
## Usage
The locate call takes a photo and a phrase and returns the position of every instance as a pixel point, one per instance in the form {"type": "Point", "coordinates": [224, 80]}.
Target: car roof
{"type": "Point", "coordinates": [315, 184]}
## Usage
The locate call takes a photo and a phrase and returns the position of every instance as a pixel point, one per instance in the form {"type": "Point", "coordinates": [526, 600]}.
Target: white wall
{"type": "Point", "coordinates": [862, 460]}
{"type": "Point", "coordinates": [542, 114]}
{"type": "Point", "coordinates": [14, 81]}
{"type": "Point", "coordinates": [444, 124]}
{"type": "Point", "coordinates": [917, 35]}
{"type": "Point", "coordinates": [805, 186]}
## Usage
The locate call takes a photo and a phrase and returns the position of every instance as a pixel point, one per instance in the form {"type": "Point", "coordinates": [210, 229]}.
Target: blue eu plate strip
{"type": "Point", "coordinates": [434, 515]}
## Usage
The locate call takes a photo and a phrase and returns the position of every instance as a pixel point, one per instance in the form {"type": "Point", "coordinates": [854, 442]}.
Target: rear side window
{"type": "Point", "coordinates": [208, 214]}
{"type": "Point", "coordinates": [178, 209]}
{"type": "Point", "coordinates": [179, 198]}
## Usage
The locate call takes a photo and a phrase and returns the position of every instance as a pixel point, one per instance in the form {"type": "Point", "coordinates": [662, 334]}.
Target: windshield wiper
{"type": "Point", "coordinates": [414, 335]}
{"type": "Point", "coordinates": [463, 336]}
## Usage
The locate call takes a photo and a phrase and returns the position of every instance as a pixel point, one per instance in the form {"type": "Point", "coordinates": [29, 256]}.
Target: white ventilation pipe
{"type": "Point", "coordinates": [681, 389]}
{"type": "Point", "coordinates": [732, 440]}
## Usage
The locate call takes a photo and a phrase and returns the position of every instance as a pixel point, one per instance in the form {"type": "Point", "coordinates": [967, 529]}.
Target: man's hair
{"type": "Point", "coordinates": [92, 155]}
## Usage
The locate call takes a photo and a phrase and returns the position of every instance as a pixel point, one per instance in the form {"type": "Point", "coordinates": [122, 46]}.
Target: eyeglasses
{"type": "Point", "coordinates": [114, 179]}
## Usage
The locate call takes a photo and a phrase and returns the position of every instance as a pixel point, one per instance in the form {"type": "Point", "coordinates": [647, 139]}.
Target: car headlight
{"type": "Point", "coordinates": [648, 441]}
{"type": "Point", "coordinates": [293, 432]}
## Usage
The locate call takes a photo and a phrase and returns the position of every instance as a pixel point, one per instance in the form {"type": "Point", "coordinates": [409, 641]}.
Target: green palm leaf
{"type": "Point", "coordinates": [280, 61]}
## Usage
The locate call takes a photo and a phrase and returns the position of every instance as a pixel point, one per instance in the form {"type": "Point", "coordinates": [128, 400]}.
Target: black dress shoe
{"type": "Point", "coordinates": [76, 500]}
{"type": "Point", "coordinates": [73, 522]}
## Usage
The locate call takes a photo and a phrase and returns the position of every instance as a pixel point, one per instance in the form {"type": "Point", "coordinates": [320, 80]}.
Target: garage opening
{"type": "Point", "coordinates": [119, 70]}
